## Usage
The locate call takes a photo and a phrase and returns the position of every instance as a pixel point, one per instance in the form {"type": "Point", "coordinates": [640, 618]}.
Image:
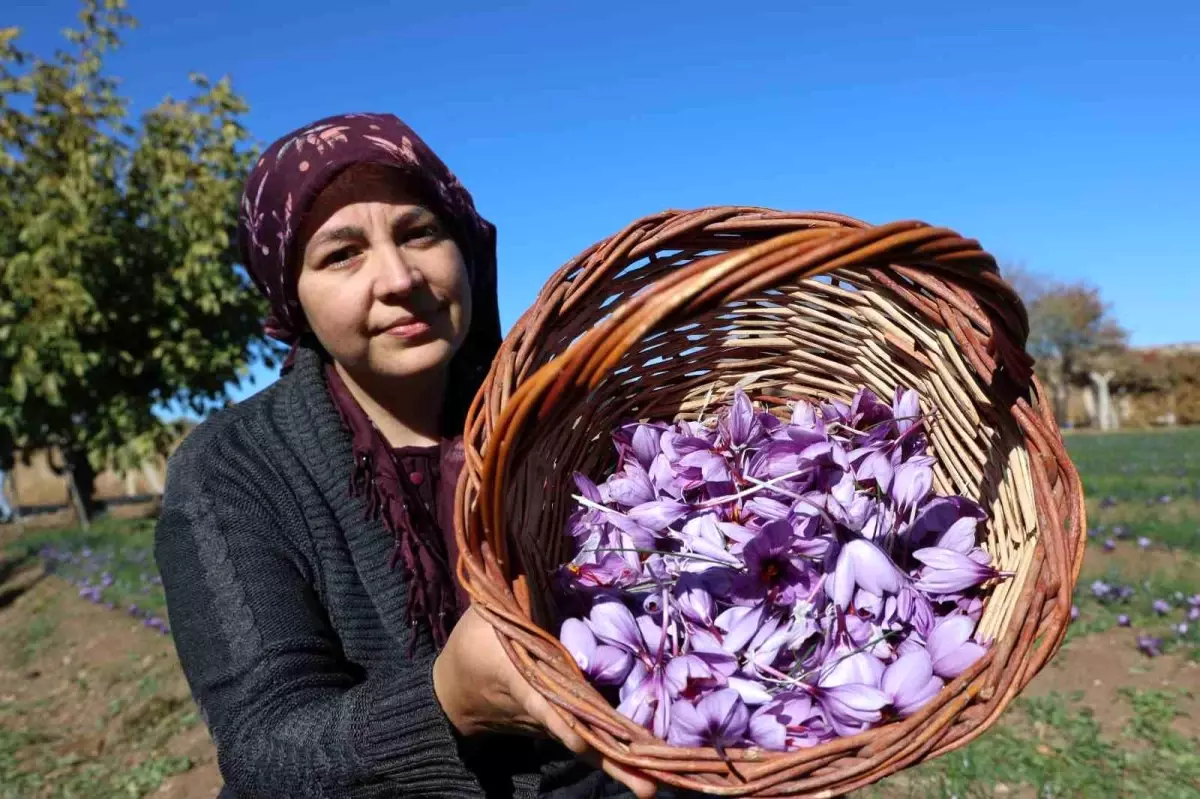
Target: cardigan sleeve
{"type": "Point", "coordinates": [289, 715]}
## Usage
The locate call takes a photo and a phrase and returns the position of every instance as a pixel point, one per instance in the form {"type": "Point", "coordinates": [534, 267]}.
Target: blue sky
{"type": "Point", "coordinates": [1062, 135]}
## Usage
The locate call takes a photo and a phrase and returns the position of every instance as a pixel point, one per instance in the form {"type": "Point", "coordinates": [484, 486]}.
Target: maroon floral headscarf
{"type": "Point", "coordinates": [279, 192]}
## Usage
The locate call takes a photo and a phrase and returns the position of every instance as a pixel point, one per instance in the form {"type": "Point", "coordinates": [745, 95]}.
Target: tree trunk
{"type": "Point", "coordinates": [81, 482]}
{"type": "Point", "coordinates": [1059, 390]}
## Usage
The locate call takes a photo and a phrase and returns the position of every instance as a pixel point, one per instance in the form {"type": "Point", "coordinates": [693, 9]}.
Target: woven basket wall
{"type": "Point", "coordinates": [671, 314]}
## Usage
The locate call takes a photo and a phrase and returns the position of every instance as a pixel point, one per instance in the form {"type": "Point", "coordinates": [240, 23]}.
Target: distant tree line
{"type": "Point", "coordinates": [1081, 348]}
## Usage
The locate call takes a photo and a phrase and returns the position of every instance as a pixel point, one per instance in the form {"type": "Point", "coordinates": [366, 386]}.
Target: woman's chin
{"type": "Point", "coordinates": [412, 359]}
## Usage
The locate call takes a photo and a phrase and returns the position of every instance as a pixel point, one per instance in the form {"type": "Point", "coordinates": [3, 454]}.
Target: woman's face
{"type": "Point", "coordinates": [383, 285]}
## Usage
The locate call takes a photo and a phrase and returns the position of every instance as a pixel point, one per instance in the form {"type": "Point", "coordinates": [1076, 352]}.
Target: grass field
{"type": "Point", "coordinates": [92, 704]}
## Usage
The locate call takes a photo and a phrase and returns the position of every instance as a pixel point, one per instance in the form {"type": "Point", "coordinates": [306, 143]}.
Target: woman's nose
{"type": "Point", "coordinates": [397, 275]}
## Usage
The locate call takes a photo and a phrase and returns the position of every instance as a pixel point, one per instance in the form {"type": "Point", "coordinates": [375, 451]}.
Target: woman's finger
{"type": "Point", "coordinates": [536, 706]}
{"type": "Point", "coordinates": [641, 785]}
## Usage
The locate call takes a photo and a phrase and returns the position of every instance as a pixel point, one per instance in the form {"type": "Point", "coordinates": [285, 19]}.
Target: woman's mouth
{"type": "Point", "coordinates": [408, 329]}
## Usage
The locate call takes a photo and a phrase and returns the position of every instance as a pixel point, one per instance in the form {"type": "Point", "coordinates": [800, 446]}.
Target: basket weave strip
{"type": "Point", "coordinates": [664, 320]}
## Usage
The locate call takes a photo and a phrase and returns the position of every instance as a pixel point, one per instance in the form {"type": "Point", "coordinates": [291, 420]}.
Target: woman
{"type": "Point", "coordinates": [305, 541]}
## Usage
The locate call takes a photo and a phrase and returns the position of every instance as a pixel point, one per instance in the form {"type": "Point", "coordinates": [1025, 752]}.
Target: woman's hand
{"type": "Point", "coordinates": [481, 691]}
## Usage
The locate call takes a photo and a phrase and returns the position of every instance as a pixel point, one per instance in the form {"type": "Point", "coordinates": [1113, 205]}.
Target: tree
{"type": "Point", "coordinates": [1071, 329]}
{"type": "Point", "coordinates": [119, 289]}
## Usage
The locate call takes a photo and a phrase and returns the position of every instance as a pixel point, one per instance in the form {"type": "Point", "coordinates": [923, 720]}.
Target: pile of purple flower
{"type": "Point", "coordinates": [756, 582]}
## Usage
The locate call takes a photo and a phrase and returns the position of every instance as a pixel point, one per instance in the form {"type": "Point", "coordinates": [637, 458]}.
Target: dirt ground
{"type": "Point", "coordinates": [102, 685]}
{"type": "Point", "coordinates": [107, 689]}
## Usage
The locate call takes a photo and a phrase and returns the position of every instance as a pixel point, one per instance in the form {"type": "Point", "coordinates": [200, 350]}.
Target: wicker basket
{"type": "Point", "coordinates": [673, 312]}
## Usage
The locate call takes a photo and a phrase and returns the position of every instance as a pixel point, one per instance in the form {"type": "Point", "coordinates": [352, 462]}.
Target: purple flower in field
{"type": "Point", "coordinates": [1181, 628]}
{"type": "Point", "coordinates": [949, 572]}
{"type": "Point", "coordinates": [1074, 613]}
{"type": "Point", "coordinates": [950, 646]}
{"type": "Point", "coordinates": [790, 722]}
{"type": "Point", "coordinates": [1149, 646]}
{"type": "Point", "coordinates": [1166, 499]}
{"type": "Point", "coordinates": [1161, 606]}
{"type": "Point", "coordinates": [1143, 542]}
{"type": "Point", "coordinates": [1123, 620]}
{"type": "Point", "coordinates": [1193, 614]}
{"type": "Point", "coordinates": [1109, 545]}
{"type": "Point", "coordinates": [1124, 592]}
{"type": "Point", "coordinates": [1091, 532]}
{"type": "Point", "coordinates": [1194, 600]}
{"type": "Point", "coordinates": [1101, 589]}
{"type": "Point", "coordinates": [910, 683]}
{"type": "Point", "coordinates": [1118, 531]}
{"type": "Point", "coordinates": [718, 720]}
{"type": "Point", "coordinates": [603, 664]}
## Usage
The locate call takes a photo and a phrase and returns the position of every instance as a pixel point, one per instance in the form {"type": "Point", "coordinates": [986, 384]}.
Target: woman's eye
{"type": "Point", "coordinates": [423, 234]}
{"type": "Point", "coordinates": [339, 258]}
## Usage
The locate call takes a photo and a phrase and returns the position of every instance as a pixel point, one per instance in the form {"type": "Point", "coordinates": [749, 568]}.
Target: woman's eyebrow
{"type": "Point", "coordinates": [412, 216]}
{"type": "Point", "coordinates": [343, 233]}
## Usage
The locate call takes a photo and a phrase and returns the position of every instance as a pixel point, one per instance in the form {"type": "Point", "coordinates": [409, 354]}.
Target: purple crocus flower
{"type": "Point", "coordinates": [1100, 589]}
{"type": "Point", "coordinates": [740, 426]}
{"type": "Point", "coordinates": [1149, 646]}
{"type": "Point", "coordinates": [949, 572]}
{"type": "Point", "coordinates": [639, 443]}
{"type": "Point", "coordinates": [631, 486]}
{"type": "Point", "coordinates": [1181, 628]}
{"type": "Point", "coordinates": [693, 601]}
{"type": "Point", "coordinates": [703, 537]}
{"type": "Point", "coordinates": [910, 683]}
{"type": "Point", "coordinates": [1143, 542]}
{"type": "Point", "coordinates": [912, 482]}
{"type": "Point", "coordinates": [861, 564]}
{"type": "Point", "coordinates": [1109, 545]}
{"type": "Point", "coordinates": [603, 664]}
{"type": "Point", "coordinates": [950, 646]}
{"type": "Point", "coordinates": [718, 720]}
{"type": "Point", "coordinates": [1193, 614]}
{"type": "Point", "coordinates": [791, 721]}
{"type": "Point", "coordinates": [645, 695]}
{"type": "Point", "coordinates": [1161, 607]}
{"type": "Point", "coordinates": [1123, 620]}
{"type": "Point", "coordinates": [849, 693]}
{"type": "Point", "coordinates": [773, 571]}
{"type": "Point", "coordinates": [1074, 613]}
